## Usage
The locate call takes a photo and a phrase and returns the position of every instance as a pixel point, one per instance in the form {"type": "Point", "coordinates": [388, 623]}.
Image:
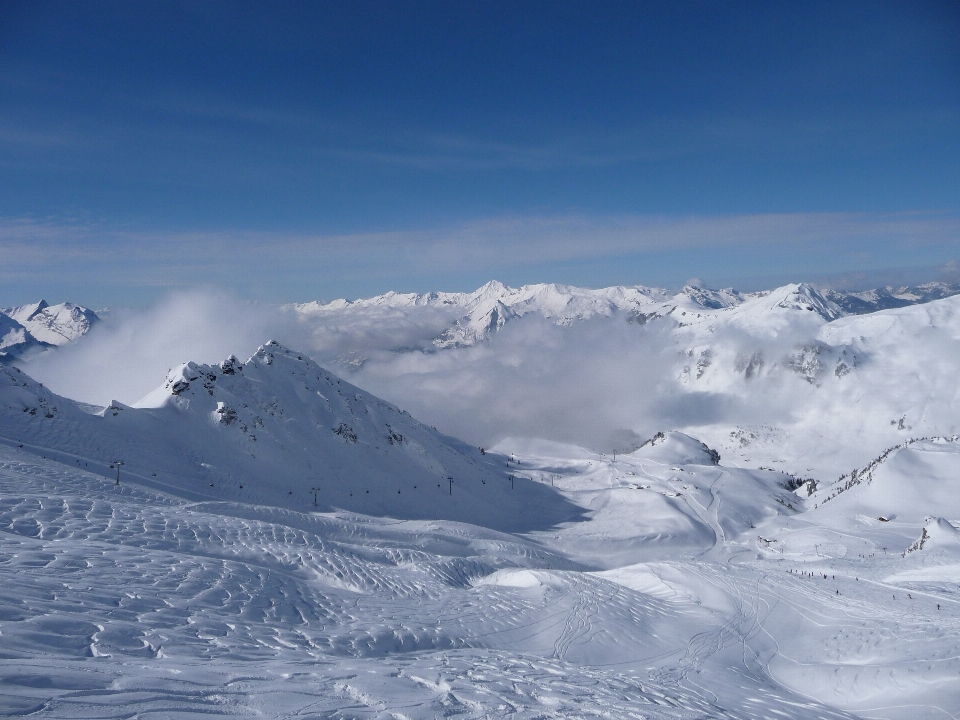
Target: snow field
{"type": "Point", "coordinates": [120, 600]}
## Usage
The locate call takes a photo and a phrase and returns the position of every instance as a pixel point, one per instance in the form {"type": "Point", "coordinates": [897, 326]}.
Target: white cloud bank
{"type": "Point", "coordinates": [129, 353]}
{"type": "Point", "coordinates": [603, 384]}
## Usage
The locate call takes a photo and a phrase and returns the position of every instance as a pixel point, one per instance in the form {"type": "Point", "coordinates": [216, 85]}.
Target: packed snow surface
{"type": "Point", "coordinates": [280, 543]}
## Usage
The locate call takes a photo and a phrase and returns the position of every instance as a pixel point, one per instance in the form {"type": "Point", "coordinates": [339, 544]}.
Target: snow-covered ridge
{"type": "Point", "coordinates": [479, 314]}
{"type": "Point", "coordinates": [278, 430]}
{"type": "Point", "coordinates": [485, 311]}
{"type": "Point", "coordinates": [475, 316]}
{"type": "Point", "coordinates": [886, 298]}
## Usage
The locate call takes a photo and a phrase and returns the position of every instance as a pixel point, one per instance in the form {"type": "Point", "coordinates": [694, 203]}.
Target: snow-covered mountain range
{"type": "Point", "coordinates": [765, 376]}
{"type": "Point", "coordinates": [485, 311]}
{"type": "Point", "coordinates": [787, 378]}
{"type": "Point", "coordinates": [476, 315]}
{"type": "Point", "coordinates": [889, 297]}
{"type": "Point", "coordinates": [489, 308]}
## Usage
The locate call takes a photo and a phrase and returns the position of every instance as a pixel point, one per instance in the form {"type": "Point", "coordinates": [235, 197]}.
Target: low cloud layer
{"type": "Point", "coordinates": [604, 384]}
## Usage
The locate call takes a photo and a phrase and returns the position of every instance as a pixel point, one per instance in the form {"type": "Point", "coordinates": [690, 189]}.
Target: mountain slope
{"type": "Point", "coordinates": [270, 431]}
{"type": "Point", "coordinates": [886, 298]}
{"type": "Point", "coordinates": [874, 382]}
{"type": "Point", "coordinates": [15, 339]}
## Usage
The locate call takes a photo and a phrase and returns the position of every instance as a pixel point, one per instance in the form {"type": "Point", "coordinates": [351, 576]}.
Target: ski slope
{"type": "Point", "coordinates": [277, 429]}
{"type": "Point", "coordinates": [684, 589]}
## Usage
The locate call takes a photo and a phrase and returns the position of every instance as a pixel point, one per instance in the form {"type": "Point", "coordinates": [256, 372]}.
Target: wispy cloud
{"type": "Point", "coordinates": [445, 152]}
{"type": "Point", "coordinates": [649, 140]}
{"type": "Point", "coordinates": [204, 106]}
{"type": "Point", "coordinates": [48, 250]}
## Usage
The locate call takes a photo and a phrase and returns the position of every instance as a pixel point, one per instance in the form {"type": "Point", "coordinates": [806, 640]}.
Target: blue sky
{"type": "Point", "coordinates": [295, 151]}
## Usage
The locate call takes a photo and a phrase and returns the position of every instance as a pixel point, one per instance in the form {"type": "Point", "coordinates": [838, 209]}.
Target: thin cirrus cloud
{"type": "Point", "coordinates": [118, 263]}
{"type": "Point", "coordinates": [651, 140]}
{"type": "Point", "coordinates": [169, 120]}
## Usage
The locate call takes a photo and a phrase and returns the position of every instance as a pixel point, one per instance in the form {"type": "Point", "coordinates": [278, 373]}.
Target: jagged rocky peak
{"type": "Point", "coordinates": [281, 397]}
{"type": "Point", "coordinates": [273, 378]}
{"type": "Point", "coordinates": [231, 365]}
{"type": "Point", "coordinates": [27, 312]}
{"type": "Point", "coordinates": [179, 379]}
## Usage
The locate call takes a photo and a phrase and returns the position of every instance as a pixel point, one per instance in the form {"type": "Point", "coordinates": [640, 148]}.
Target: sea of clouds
{"type": "Point", "coordinates": [604, 384]}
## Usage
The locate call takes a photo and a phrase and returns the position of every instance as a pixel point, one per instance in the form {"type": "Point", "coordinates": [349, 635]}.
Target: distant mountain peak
{"type": "Point", "coordinates": [803, 296]}
{"type": "Point", "coordinates": [491, 286]}
{"type": "Point", "coordinates": [54, 324]}
{"type": "Point", "coordinates": [713, 299]}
